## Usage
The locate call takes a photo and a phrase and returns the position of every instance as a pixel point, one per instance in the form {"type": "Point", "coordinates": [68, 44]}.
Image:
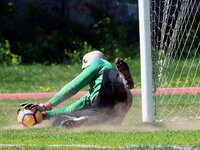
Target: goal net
{"type": "Point", "coordinates": [175, 34]}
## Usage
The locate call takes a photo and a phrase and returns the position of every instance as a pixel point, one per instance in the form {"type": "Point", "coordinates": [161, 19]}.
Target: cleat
{"type": "Point", "coordinates": [124, 69]}
{"type": "Point", "coordinates": [74, 122]}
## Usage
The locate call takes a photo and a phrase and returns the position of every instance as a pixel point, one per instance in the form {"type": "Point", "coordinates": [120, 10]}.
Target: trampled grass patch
{"type": "Point", "coordinates": [8, 110]}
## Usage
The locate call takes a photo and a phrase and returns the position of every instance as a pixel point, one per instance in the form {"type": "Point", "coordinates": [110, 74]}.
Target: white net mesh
{"type": "Point", "coordinates": [175, 28]}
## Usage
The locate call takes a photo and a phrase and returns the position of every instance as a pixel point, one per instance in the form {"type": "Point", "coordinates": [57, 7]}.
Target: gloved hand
{"type": "Point", "coordinates": [30, 106]}
{"type": "Point", "coordinates": [40, 107]}
{"type": "Point", "coordinates": [123, 67]}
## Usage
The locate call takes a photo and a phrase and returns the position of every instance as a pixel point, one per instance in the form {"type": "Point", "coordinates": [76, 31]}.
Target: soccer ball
{"type": "Point", "coordinates": [29, 118]}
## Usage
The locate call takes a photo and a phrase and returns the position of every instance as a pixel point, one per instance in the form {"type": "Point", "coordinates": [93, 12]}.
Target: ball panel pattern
{"type": "Point", "coordinates": [29, 117]}
{"type": "Point", "coordinates": [29, 120]}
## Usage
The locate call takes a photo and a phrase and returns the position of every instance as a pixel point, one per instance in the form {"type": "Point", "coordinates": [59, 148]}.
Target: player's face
{"type": "Point", "coordinates": [87, 58]}
{"type": "Point", "coordinates": [84, 63]}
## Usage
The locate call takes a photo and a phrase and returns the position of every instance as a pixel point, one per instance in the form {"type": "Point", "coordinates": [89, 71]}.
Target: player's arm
{"type": "Point", "coordinates": [76, 106]}
{"type": "Point", "coordinates": [83, 79]}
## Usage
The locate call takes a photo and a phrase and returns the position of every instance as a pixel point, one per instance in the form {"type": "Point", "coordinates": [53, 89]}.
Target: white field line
{"type": "Point", "coordinates": [177, 147]}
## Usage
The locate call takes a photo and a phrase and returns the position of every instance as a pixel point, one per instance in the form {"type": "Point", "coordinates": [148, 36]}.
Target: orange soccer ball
{"type": "Point", "coordinates": [28, 117]}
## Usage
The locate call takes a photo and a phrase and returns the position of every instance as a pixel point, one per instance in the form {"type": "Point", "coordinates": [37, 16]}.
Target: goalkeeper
{"type": "Point", "coordinates": [107, 101]}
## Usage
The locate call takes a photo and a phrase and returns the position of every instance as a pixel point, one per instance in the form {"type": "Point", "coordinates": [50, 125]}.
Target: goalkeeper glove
{"type": "Point", "coordinates": [123, 67]}
{"type": "Point", "coordinates": [44, 117]}
{"type": "Point", "coordinates": [41, 107]}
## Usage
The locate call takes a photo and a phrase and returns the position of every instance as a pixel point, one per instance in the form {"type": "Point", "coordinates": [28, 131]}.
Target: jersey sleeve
{"type": "Point", "coordinates": [78, 105]}
{"type": "Point", "coordinates": [83, 79]}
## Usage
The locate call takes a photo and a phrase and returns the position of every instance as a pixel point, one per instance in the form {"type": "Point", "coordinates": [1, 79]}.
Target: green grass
{"type": "Point", "coordinates": [132, 132]}
{"type": "Point", "coordinates": [177, 106]}
{"type": "Point", "coordinates": [42, 78]}
{"type": "Point", "coordinates": [58, 136]}
{"type": "Point", "coordinates": [9, 108]}
{"type": "Point", "coordinates": [36, 78]}
{"type": "Point", "coordinates": [182, 73]}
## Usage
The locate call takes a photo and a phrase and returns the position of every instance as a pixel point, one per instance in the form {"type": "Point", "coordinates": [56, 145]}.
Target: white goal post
{"type": "Point", "coordinates": [145, 60]}
{"type": "Point", "coordinates": [170, 59]}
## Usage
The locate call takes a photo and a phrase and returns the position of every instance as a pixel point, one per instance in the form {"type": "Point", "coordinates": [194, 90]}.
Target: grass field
{"type": "Point", "coordinates": [49, 138]}
{"type": "Point", "coordinates": [132, 134]}
{"type": "Point", "coordinates": [42, 78]}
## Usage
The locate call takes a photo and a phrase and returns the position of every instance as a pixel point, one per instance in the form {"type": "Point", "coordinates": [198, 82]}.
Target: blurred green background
{"type": "Point", "coordinates": [38, 36]}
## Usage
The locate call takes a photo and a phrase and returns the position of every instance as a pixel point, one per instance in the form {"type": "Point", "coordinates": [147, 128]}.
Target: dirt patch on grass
{"type": "Point", "coordinates": [20, 126]}
{"type": "Point", "coordinates": [143, 127]}
{"type": "Point", "coordinates": [183, 125]}
{"type": "Point", "coordinates": [136, 127]}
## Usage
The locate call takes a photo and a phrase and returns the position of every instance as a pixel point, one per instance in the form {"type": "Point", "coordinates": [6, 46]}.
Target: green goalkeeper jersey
{"type": "Point", "coordinates": [92, 75]}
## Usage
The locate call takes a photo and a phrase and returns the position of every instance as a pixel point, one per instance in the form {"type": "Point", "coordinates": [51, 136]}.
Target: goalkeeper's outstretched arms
{"type": "Point", "coordinates": [83, 79]}
{"type": "Point", "coordinates": [92, 66]}
{"type": "Point", "coordinates": [108, 88]}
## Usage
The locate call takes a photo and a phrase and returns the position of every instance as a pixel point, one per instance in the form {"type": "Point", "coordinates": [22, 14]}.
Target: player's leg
{"type": "Point", "coordinates": [113, 89]}
{"type": "Point", "coordinates": [91, 115]}
{"type": "Point", "coordinates": [123, 67]}
{"type": "Point", "coordinates": [115, 95]}
{"type": "Point", "coordinates": [111, 103]}
{"type": "Point", "coordinates": [68, 121]}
